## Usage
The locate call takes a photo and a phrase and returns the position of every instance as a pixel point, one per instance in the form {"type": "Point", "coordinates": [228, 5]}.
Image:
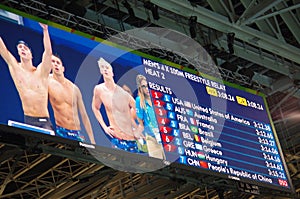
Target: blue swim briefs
{"type": "Point", "coordinates": [70, 134]}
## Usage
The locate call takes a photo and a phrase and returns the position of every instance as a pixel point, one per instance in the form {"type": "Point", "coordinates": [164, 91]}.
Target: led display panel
{"type": "Point", "coordinates": [107, 96]}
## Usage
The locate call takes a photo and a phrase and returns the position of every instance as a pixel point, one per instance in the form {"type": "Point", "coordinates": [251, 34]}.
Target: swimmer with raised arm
{"type": "Point", "coordinates": [30, 81]}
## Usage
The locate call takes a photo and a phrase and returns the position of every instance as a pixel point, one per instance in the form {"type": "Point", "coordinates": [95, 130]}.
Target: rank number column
{"type": "Point", "coordinates": [167, 121]}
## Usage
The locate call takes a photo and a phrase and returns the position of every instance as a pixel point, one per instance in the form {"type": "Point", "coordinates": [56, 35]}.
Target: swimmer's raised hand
{"type": "Point", "coordinates": [44, 26]}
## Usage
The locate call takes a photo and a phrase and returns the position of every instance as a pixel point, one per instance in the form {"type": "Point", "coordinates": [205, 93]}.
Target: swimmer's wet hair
{"type": "Point", "coordinates": [103, 62]}
{"type": "Point", "coordinates": [24, 43]}
{"type": "Point", "coordinates": [57, 55]}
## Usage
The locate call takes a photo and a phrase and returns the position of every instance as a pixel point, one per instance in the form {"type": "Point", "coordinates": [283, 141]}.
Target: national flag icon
{"type": "Point", "coordinates": [187, 104]}
{"type": "Point", "coordinates": [194, 129]}
{"type": "Point", "coordinates": [197, 138]}
{"type": "Point", "coordinates": [156, 94]}
{"type": "Point", "coordinates": [201, 155]}
{"type": "Point", "coordinates": [199, 146]}
{"type": "Point", "coordinates": [189, 112]}
{"type": "Point", "coordinates": [193, 121]}
{"type": "Point", "coordinates": [203, 164]}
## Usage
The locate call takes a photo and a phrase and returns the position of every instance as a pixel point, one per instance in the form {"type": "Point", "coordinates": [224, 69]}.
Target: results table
{"type": "Point", "coordinates": [221, 129]}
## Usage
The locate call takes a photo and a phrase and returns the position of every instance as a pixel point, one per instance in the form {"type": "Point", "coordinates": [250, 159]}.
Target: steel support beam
{"type": "Point", "coordinates": [221, 23]}
{"type": "Point", "coordinates": [265, 26]}
{"type": "Point", "coordinates": [291, 20]}
{"type": "Point", "coordinates": [256, 9]}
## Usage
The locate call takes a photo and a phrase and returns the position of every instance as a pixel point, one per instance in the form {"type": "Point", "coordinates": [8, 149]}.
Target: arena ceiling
{"type": "Point", "coordinates": [265, 56]}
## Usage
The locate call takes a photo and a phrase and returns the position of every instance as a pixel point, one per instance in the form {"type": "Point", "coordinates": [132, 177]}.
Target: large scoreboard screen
{"type": "Point", "coordinates": [98, 94]}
